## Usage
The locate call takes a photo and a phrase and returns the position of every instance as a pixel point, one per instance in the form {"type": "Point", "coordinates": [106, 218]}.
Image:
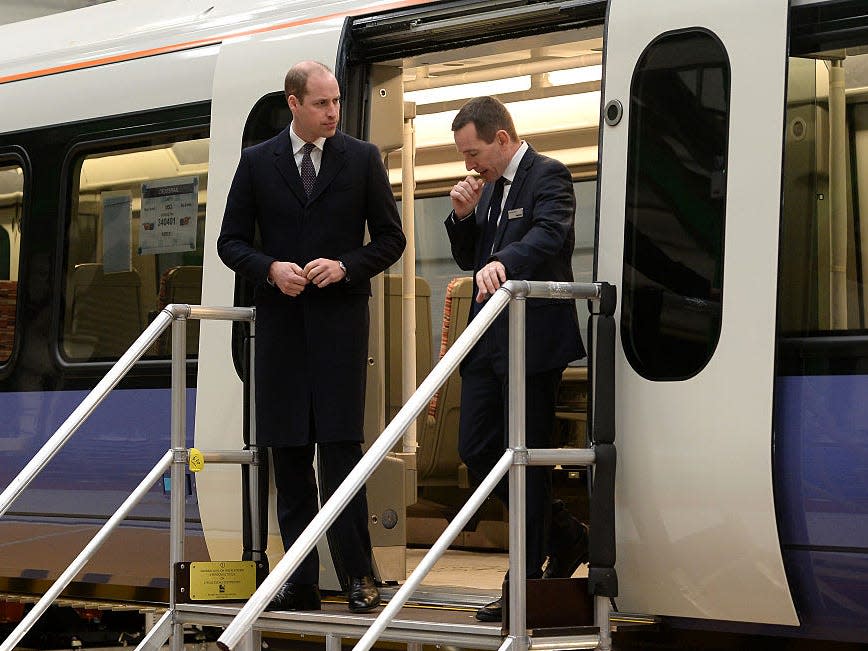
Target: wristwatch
{"type": "Point", "coordinates": [344, 269]}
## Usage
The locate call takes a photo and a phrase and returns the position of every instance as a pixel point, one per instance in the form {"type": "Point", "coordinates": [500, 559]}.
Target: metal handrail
{"type": "Point", "coordinates": [117, 372]}
{"type": "Point", "coordinates": [87, 553]}
{"type": "Point", "coordinates": [509, 291]}
{"type": "Point", "coordinates": [437, 550]}
{"type": "Point", "coordinates": [514, 461]}
{"type": "Point", "coordinates": [176, 315]}
{"type": "Point", "coordinates": [84, 410]}
{"type": "Point", "coordinates": [538, 457]}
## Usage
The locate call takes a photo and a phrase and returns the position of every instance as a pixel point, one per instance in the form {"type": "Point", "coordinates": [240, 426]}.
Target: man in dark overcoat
{"type": "Point", "coordinates": [515, 222]}
{"type": "Point", "coordinates": [310, 191]}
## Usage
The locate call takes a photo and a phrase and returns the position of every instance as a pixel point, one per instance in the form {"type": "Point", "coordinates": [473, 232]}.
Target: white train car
{"type": "Point", "coordinates": [718, 151]}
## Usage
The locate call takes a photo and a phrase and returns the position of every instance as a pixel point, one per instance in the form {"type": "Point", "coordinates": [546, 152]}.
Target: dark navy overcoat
{"type": "Point", "coordinates": [311, 350]}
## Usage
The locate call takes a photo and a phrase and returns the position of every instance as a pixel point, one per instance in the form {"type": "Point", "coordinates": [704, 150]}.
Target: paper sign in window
{"type": "Point", "coordinates": [168, 217]}
{"type": "Point", "coordinates": [117, 215]}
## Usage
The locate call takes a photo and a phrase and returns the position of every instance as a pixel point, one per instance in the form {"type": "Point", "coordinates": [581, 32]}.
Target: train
{"type": "Point", "coordinates": [719, 151]}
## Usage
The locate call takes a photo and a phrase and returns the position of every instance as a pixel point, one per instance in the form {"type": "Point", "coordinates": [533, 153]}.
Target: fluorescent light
{"type": "Point", "coordinates": [530, 116]}
{"type": "Point", "coordinates": [462, 91]}
{"type": "Point", "coordinates": [556, 113]}
{"type": "Point", "coordinates": [575, 75]}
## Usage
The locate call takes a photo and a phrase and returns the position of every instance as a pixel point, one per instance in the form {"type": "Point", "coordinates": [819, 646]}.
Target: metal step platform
{"type": "Point", "coordinates": [455, 627]}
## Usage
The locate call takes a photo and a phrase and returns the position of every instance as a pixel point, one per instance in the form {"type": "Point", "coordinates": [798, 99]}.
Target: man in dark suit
{"type": "Point", "coordinates": [516, 222]}
{"type": "Point", "coordinates": [310, 191]}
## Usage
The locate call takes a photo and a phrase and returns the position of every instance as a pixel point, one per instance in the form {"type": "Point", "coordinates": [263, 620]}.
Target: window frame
{"type": "Point", "coordinates": [11, 156]}
{"type": "Point", "coordinates": [817, 28]}
{"type": "Point", "coordinates": [105, 141]}
{"type": "Point", "coordinates": [634, 129]}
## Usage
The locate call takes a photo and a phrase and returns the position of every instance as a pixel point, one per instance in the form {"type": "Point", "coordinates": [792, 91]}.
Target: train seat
{"type": "Point", "coordinates": [182, 284]}
{"type": "Point", "coordinates": [106, 313]}
{"type": "Point", "coordinates": [394, 360]}
{"type": "Point", "coordinates": [8, 294]}
{"type": "Point", "coordinates": [437, 460]}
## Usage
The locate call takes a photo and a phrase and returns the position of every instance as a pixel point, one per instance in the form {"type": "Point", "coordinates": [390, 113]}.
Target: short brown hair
{"type": "Point", "coordinates": [295, 82]}
{"type": "Point", "coordinates": [488, 115]}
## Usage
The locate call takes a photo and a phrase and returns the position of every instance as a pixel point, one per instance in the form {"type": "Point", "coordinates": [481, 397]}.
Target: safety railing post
{"type": "Point", "coordinates": [178, 472]}
{"type": "Point", "coordinates": [517, 457]}
{"type": "Point", "coordinates": [602, 575]}
{"type": "Point", "coordinates": [174, 461]}
{"type": "Point", "coordinates": [254, 477]}
{"type": "Point", "coordinates": [258, 485]}
{"type": "Point", "coordinates": [517, 476]}
{"type": "Point", "coordinates": [81, 413]}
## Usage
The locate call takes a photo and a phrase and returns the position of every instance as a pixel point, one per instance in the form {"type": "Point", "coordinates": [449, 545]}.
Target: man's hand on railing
{"type": "Point", "coordinates": [489, 279]}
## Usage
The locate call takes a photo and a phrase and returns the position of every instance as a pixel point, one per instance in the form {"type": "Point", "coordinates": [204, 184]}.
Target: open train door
{"type": "Point", "coordinates": [248, 106]}
{"type": "Point", "coordinates": [689, 210]}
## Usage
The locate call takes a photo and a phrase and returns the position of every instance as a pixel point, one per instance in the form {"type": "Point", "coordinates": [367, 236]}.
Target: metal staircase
{"type": "Point", "coordinates": [397, 622]}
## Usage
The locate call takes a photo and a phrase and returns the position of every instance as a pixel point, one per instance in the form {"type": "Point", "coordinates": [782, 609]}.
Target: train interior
{"type": "Point", "coordinates": [551, 84]}
{"type": "Point", "coordinates": [824, 254]}
{"type": "Point", "coordinates": [11, 208]}
{"type": "Point", "coordinates": [109, 262]}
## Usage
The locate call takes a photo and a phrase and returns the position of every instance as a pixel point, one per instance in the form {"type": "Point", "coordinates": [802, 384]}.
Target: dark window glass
{"type": "Point", "coordinates": [675, 203]}
{"type": "Point", "coordinates": [11, 209]}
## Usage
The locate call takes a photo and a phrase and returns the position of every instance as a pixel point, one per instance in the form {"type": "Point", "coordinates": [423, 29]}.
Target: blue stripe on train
{"type": "Point", "coordinates": [821, 491]}
{"type": "Point", "coordinates": [102, 462]}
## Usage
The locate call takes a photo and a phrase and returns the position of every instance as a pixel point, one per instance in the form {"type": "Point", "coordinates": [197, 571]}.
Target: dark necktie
{"type": "Point", "coordinates": [491, 223]}
{"type": "Point", "coordinates": [308, 173]}
{"type": "Point", "coordinates": [488, 233]}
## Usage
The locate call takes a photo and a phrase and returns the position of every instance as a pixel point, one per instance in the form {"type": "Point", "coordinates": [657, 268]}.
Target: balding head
{"type": "Point", "coordinates": [314, 98]}
{"type": "Point", "coordinates": [295, 82]}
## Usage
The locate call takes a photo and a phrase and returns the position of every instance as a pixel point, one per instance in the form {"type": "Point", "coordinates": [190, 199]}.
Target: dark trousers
{"type": "Point", "coordinates": [483, 436]}
{"type": "Point", "coordinates": [297, 505]}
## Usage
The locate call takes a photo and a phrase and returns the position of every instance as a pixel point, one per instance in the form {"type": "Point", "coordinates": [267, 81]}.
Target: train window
{"type": "Point", "coordinates": [11, 209]}
{"type": "Point", "coordinates": [824, 244]}
{"type": "Point", "coordinates": [134, 244]}
{"type": "Point", "coordinates": [675, 205]}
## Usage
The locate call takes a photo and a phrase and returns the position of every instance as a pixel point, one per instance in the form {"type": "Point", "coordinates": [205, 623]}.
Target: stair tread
{"type": "Point", "coordinates": [418, 622]}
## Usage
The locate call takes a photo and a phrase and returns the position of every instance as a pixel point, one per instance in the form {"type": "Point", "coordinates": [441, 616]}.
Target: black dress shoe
{"type": "Point", "coordinates": [363, 595]}
{"type": "Point", "coordinates": [566, 557]}
{"type": "Point", "coordinates": [492, 612]}
{"type": "Point", "coordinates": [296, 596]}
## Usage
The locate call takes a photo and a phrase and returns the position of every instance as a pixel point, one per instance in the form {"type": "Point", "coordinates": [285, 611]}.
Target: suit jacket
{"type": "Point", "coordinates": [311, 350]}
{"type": "Point", "coordinates": [534, 241]}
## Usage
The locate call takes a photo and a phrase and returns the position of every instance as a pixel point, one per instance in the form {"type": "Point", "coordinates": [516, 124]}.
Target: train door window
{"type": "Point", "coordinates": [134, 244]}
{"type": "Point", "coordinates": [824, 242]}
{"type": "Point", "coordinates": [675, 205]}
{"type": "Point", "coordinates": [11, 210]}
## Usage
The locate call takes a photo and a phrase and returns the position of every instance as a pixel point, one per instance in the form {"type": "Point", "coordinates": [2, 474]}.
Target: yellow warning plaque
{"type": "Point", "coordinates": [222, 580]}
{"type": "Point", "coordinates": [197, 460]}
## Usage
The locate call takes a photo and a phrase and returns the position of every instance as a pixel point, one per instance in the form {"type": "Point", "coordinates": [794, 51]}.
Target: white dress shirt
{"type": "Point", "coordinates": [315, 153]}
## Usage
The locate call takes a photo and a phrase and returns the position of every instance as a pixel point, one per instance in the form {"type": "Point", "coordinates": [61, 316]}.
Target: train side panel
{"type": "Point", "coordinates": [688, 215]}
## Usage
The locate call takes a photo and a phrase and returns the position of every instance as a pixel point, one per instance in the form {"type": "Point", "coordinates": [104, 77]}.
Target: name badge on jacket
{"type": "Point", "coordinates": [515, 213]}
